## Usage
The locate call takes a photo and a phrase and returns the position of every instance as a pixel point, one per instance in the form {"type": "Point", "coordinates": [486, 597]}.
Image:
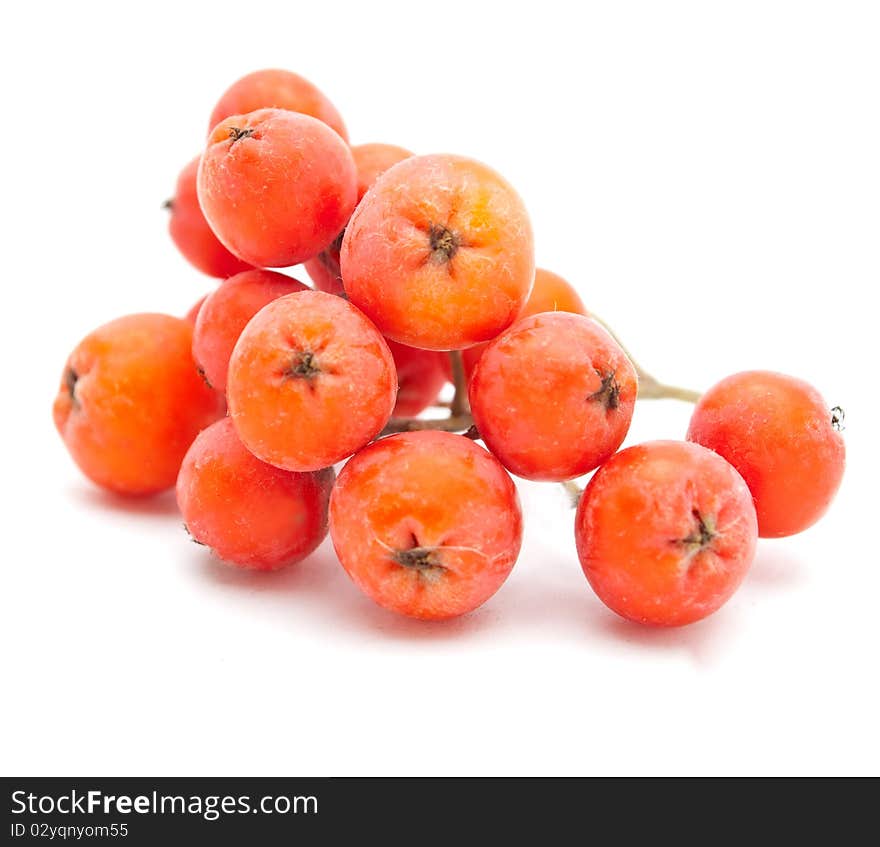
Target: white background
{"type": "Point", "coordinates": [707, 174]}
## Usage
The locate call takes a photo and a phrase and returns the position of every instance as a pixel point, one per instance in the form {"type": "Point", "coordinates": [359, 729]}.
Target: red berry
{"type": "Point", "coordinates": [779, 433]}
{"type": "Point", "coordinates": [191, 233]}
{"type": "Point", "coordinates": [371, 160]}
{"type": "Point", "coordinates": [227, 311]}
{"type": "Point", "coordinates": [249, 513]}
{"type": "Point", "coordinates": [131, 402]}
{"type": "Point", "coordinates": [665, 532]}
{"type": "Point", "coordinates": [420, 376]}
{"type": "Point", "coordinates": [276, 186]}
{"type": "Point", "coordinates": [439, 253]}
{"type": "Point", "coordinates": [553, 396]}
{"type": "Point", "coordinates": [427, 524]}
{"type": "Point", "coordinates": [277, 89]}
{"type": "Point", "coordinates": [310, 382]}
{"type": "Point", "coordinates": [323, 270]}
{"type": "Point", "coordinates": [550, 293]}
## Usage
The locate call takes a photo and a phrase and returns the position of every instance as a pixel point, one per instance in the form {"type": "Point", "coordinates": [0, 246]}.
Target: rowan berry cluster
{"type": "Point", "coordinates": [423, 272]}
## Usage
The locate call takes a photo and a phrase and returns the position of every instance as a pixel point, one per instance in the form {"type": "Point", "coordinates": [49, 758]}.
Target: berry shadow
{"type": "Point", "coordinates": [304, 578]}
{"type": "Point", "coordinates": [359, 612]}
{"type": "Point", "coordinates": [351, 611]}
{"type": "Point", "coordinates": [550, 596]}
{"type": "Point", "coordinates": [559, 600]}
{"type": "Point", "coordinates": [157, 505]}
{"type": "Point", "coordinates": [703, 642]}
{"type": "Point", "coordinates": [552, 599]}
{"type": "Point", "coordinates": [775, 567]}
{"type": "Point", "coordinates": [318, 587]}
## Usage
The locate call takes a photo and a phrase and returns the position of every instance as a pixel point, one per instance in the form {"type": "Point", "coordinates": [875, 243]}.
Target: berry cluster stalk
{"type": "Point", "coordinates": [650, 388]}
{"type": "Point", "coordinates": [461, 420]}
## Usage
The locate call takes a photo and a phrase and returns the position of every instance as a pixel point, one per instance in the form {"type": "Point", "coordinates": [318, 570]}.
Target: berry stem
{"type": "Point", "coordinates": [70, 379]}
{"type": "Point", "coordinates": [473, 433]}
{"type": "Point", "coordinates": [454, 423]}
{"type": "Point", "coordinates": [461, 420]}
{"type": "Point", "coordinates": [460, 404]}
{"type": "Point", "coordinates": [237, 133]}
{"type": "Point", "coordinates": [573, 490]}
{"type": "Point", "coordinates": [650, 388]}
{"type": "Point", "coordinates": [444, 243]}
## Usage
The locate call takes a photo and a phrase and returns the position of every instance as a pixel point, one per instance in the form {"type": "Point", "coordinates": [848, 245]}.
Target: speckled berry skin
{"type": "Point", "coordinates": [226, 312]}
{"type": "Point", "coordinates": [250, 514]}
{"type": "Point", "coordinates": [371, 161]}
{"type": "Point", "coordinates": [553, 396]}
{"type": "Point", "coordinates": [550, 293]}
{"type": "Point", "coordinates": [191, 233]}
{"type": "Point", "coordinates": [310, 382]}
{"type": "Point", "coordinates": [439, 253]}
{"type": "Point", "coordinates": [131, 402]}
{"type": "Point", "coordinates": [778, 432]}
{"type": "Point", "coordinates": [427, 524]}
{"type": "Point", "coordinates": [275, 186]}
{"type": "Point", "coordinates": [665, 532]}
{"type": "Point", "coordinates": [274, 88]}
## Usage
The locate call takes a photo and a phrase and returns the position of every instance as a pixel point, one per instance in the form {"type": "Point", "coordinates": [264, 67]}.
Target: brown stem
{"type": "Point", "coordinates": [237, 133]}
{"type": "Point", "coordinates": [460, 404]}
{"type": "Point", "coordinates": [650, 388]}
{"type": "Point", "coordinates": [454, 423]}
